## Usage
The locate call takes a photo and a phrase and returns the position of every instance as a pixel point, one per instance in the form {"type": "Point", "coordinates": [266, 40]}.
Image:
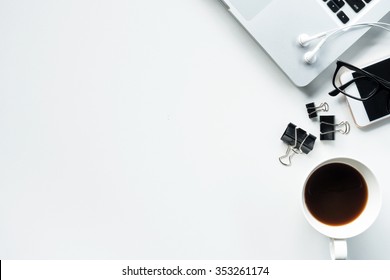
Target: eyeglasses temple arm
{"type": "Point", "coordinates": [383, 81]}
{"type": "Point", "coordinates": [336, 91]}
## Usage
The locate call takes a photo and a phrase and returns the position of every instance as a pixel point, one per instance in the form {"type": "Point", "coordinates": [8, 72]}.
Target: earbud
{"type": "Point", "coordinates": [304, 39]}
{"type": "Point", "coordinates": [310, 57]}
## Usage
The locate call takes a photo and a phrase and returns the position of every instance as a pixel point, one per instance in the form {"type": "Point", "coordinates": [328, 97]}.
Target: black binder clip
{"type": "Point", "coordinates": [298, 142]}
{"type": "Point", "coordinates": [328, 128]}
{"type": "Point", "coordinates": [312, 110]}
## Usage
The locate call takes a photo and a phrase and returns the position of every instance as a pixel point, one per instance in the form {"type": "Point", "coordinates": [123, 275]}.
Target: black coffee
{"type": "Point", "coordinates": [336, 194]}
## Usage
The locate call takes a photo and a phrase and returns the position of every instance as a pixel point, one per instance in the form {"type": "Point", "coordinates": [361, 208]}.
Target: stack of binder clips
{"type": "Point", "coordinates": [298, 141]}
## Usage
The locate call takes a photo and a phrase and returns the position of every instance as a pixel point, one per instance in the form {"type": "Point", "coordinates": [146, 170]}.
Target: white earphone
{"type": "Point", "coordinates": [304, 40]}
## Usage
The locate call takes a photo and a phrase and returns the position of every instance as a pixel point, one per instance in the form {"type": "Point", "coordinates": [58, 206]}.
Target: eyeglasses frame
{"type": "Point", "coordinates": [380, 81]}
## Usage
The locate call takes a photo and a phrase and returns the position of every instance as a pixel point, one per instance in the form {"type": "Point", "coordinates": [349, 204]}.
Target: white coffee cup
{"type": "Point", "coordinates": [339, 233]}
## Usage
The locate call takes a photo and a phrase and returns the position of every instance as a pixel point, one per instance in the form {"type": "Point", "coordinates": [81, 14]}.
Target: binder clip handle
{"type": "Point", "coordinates": [286, 158]}
{"type": "Point", "coordinates": [312, 110]}
{"type": "Point", "coordinates": [328, 127]}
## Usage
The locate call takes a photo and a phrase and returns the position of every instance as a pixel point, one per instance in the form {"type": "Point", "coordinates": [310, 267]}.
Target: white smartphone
{"type": "Point", "coordinates": [376, 108]}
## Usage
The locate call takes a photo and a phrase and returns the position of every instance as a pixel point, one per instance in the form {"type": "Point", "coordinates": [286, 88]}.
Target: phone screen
{"type": "Point", "coordinates": [377, 106]}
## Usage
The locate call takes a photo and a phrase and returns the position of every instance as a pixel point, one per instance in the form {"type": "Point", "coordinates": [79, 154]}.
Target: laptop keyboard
{"type": "Point", "coordinates": [338, 7]}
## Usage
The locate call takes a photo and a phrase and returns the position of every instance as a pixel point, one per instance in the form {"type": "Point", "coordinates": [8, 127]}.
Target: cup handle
{"type": "Point", "coordinates": [338, 249]}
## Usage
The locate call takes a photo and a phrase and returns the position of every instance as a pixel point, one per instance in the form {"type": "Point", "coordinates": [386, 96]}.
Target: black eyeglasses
{"type": "Point", "coordinates": [367, 83]}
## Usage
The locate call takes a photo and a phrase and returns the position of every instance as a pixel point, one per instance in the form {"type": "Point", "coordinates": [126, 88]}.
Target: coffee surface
{"type": "Point", "coordinates": [336, 194]}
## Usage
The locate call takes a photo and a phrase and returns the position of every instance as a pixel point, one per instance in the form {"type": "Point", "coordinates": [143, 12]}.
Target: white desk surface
{"type": "Point", "coordinates": [151, 130]}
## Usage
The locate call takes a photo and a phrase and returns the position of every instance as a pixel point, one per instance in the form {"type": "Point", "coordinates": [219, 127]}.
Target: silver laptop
{"type": "Point", "coordinates": [276, 25]}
